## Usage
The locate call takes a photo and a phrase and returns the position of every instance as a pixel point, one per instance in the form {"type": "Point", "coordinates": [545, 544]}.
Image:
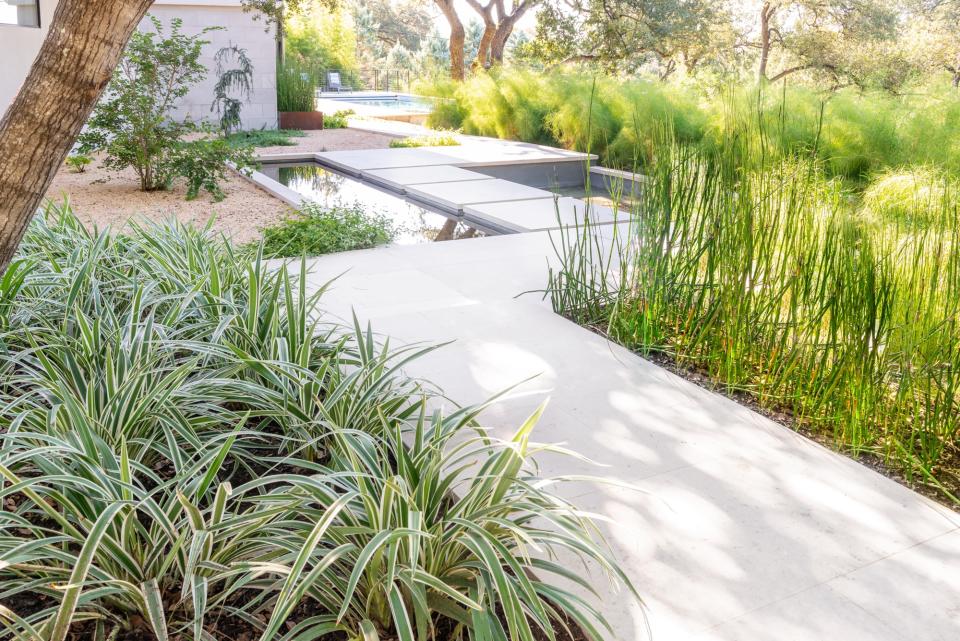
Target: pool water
{"type": "Point", "coordinates": [398, 104]}
{"type": "Point", "coordinates": [413, 224]}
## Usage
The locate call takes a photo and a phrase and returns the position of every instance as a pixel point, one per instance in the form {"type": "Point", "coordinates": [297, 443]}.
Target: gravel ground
{"type": "Point", "coordinates": [332, 140]}
{"type": "Point", "coordinates": [104, 198]}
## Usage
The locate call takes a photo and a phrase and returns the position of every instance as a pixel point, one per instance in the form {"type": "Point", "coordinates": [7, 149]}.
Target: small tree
{"type": "Point", "coordinates": [133, 124]}
{"type": "Point", "coordinates": [233, 86]}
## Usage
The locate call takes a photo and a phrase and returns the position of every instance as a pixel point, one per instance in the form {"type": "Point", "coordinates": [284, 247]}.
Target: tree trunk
{"type": "Point", "coordinates": [766, 12]}
{"type": "Point", "coordinates": [457, 38]}
{"type": "Point", "coordinates": [482, 61]}
{"type": "Point", "coordinates": [82, 48]}
{"type": "Point", "coordinates": [505, 30]}
{"type": "Point", "coordinates": [446, 232]}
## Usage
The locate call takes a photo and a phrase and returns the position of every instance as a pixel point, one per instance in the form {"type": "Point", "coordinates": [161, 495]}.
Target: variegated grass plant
{"type": "Point", "coordinates": [188, 450]}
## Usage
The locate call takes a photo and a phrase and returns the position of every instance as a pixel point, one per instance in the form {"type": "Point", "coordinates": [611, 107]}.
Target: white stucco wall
{"type": "Point", "coordinates": [239, 28]}
{"type": "Point", "coordinates": [19, 46]}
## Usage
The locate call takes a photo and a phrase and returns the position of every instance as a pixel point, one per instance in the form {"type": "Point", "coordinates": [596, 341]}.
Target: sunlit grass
{"type": "Point", "coordinates": [773, 279]}
{"type": "Point", "coordinates": [860, 134]}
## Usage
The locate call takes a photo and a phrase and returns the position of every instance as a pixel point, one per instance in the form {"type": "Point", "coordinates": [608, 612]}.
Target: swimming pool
{"type": "Point", "coordinates": [412, 222]}
{"type": "Point", "coordinates": [365, 103]}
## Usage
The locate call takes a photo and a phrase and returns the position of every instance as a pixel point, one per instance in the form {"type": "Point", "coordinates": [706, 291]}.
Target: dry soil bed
{"type": "Point", "coordinates": [104, 198]}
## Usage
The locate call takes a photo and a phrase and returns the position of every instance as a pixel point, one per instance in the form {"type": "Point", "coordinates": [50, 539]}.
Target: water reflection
{"type": "Point", "coordinates": [608, 191]}
{"type": "Point", "coordinates": [413, 223]}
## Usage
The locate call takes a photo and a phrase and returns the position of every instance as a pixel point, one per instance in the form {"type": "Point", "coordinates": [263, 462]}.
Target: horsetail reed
{"type": "Point", "coordinates": [759, 271]}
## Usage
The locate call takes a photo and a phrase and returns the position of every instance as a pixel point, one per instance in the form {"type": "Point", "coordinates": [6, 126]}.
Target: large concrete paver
{"type": "Point", "coordinates": [540, 214]}
{"type": "Point", "coordinates": [401, 177]}
{"type": "Point", "coordinates": [478, 152]}
{"type": "Point", "coordinates": [736, 528]}
{"type": "Point", "coordinates": [467, 155]}
{"type": "Point", "coordinates": [354, 162]}
{"type": "Point", "coordinates": [455, 195]}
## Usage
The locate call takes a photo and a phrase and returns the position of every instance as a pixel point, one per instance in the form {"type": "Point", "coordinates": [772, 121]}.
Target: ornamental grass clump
{"type": "Point", "coordinates": [771, 278]}
{"type": "Point", "coordinates": [189, 450]}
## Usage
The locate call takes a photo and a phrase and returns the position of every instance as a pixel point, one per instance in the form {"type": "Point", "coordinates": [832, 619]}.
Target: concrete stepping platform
{"type": "Point", "coordinates": [540, 214]}
{"type": "Point", "coordinates": [732, 527]}
{"type": "Point", "coordinates": [401, 177]}
{"type": "Point", "coordinates": [475, 154]}
{"type": "Point", "coordinates": [455, 195]}
{"type": "Point", "coordinates": [355, 162]}
{"type": "Point", "coordinates": [505, 153]}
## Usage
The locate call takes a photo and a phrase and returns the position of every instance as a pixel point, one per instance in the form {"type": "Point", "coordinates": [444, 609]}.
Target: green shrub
{"type": "Point", "coordinates": [614, 119]}
{"type": "Point", "coordinates": [196, 451]}
{"type": "Point", "coordinates": [854, 133]}
{"type": "Point", "coordinates": [438, 139]}
{"type": "Point", "coordinates": [133, 123]}
{"type": "Point", "coordinates": [265, 137]}
{"type": "Point", "coordinates": [233, 86]}
{"type": "Point", "coordinates": [314, 230]}
{"type": "Point", "coordinates": [203, 164]}
{"type": "Point", "coordinates": [447, 112]}
{"type": "Point", "coordinates": [338, 119]}
{"type": "Point", "coordinates": [78, 162]}
{"type": "Point", "coordinates": [913, 198]}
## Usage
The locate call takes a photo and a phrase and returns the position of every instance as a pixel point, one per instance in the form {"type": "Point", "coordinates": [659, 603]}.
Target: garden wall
{"type": "Point", "coordinates": [241, 29]}
{"type": "Point", "coordinates": [19, 46]}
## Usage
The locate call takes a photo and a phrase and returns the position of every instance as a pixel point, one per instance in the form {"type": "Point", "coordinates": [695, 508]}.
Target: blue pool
{"type": "Point", "coordinates": [369, 103]}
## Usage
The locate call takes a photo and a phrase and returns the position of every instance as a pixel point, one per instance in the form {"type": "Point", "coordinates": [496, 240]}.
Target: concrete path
{"type": "Point", "coordinates": [740, 529]}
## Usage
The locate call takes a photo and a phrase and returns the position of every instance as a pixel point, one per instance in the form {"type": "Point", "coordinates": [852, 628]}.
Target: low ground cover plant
{"type": "Point", "coordinates": [314, 230]}
{"type": "Point", "coordinates": [188, 450]}
{"type": "Point", "coordinates": [338, 119]}
{"type": "Point", "coordinates": [265, 137]}
{"type": "Point", "coordinates": [764, 274]}
{"type": "Point", "coordinates": [438, 139]}
{"type": "Point", "coordinates": [78, 162]}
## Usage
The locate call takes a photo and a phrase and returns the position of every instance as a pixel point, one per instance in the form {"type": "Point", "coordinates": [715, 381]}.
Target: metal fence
{"type": "Point", "coordinates": [363, 79]}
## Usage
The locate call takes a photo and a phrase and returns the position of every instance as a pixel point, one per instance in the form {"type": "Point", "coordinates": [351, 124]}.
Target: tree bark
{"type": "Point", "coordinates": [457, 38]}
{"type": "Point", "coordinates": [482, 61]}
{"type": "Point", "coordinates": [499, 44]}
{"type": "Point", "coordinates": [505, 30]}
{"type": "Point", "coordinates": [83, 46]}
{"type": "Point", "coordinates": [766, 13]}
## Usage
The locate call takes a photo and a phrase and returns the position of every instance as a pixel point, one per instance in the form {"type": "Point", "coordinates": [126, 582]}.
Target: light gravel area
{"type": "Point", "coordinates": [332, 140]}
{"type": "Point", "coordinates": [102, 198]}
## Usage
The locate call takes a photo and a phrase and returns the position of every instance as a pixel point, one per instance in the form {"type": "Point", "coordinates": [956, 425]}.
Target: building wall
{"type": "Point", "coordinates": [239, 28]}
{"type": "Point", "coordinates": [19, 46]}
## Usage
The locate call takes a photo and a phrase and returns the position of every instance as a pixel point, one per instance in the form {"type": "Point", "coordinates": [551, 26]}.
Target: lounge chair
{"type": "Point", "coordinates": [334, 83]}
